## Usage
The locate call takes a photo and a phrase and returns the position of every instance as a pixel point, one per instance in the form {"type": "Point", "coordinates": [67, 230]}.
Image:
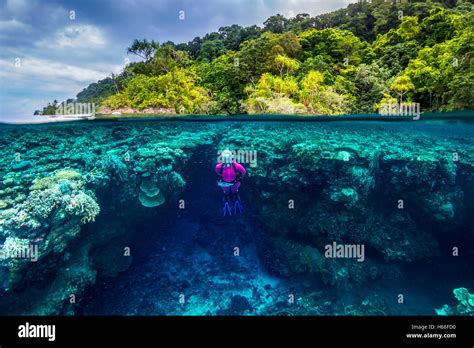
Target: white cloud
{"type": "Point", "coordinates": [17, 6]}
{"type": "Point", "coordinates": [75, 36]}
{"type": "Point", "coordinates": [312, 7]}
{"type": "Point", "coordinates": [13, 25]}
{"type": "Point", "coordinates": [39, 81]}
{"type": "Point", "coordinates": [34, 67]}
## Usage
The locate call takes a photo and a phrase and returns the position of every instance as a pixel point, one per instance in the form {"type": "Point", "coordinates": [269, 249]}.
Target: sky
{"type": "Point", "coordinates": [52, 49]}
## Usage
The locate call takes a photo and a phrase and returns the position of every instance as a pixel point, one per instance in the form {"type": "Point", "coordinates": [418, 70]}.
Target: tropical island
{"type": "Point", "coordinates": [124, 217]}
{"type": "Point", "coordinates": [350, 61]}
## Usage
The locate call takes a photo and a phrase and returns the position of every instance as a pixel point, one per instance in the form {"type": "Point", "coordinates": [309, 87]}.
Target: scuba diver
{"type": "Point", "coordinates": [230, 173]}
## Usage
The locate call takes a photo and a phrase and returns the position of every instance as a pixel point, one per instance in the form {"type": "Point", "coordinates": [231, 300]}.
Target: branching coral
{"type": "Point", "coordinates": [42, 203]}
{"type": "Point", "coordinates": [84, 206]}
{"type": "Point", "coordinates": [13, 246]}
{"type": "Point", "coordinates": [49, 181]}
{"type": "Point", "coordinates": [63, 190]}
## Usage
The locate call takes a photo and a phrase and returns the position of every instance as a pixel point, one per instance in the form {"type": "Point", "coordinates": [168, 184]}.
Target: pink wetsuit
{"type": "Point", "coordinates": [229, 175]}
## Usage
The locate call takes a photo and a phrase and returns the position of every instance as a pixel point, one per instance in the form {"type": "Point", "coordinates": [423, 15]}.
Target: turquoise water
{"type": "Point", "coordinates": [127, 217]}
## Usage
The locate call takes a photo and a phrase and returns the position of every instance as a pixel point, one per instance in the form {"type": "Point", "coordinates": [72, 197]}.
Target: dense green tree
{"type": "Point", "coordinates": [301, 22]}
{"type": "Point", "coordinates": [401, 85]}
{"type": "Point", "coordinates": [193, 47]}
{"type": "Point", "coordinates": [270, 84]}
{"type": "Point", "coordinates": [464, 5]}
{"type": "Point", "coordinates": [393, 51]}
{"type": "Point", "coordinates": [319, 98]}
{"type": "Point", "coordinates": [443, 73]}
{"type": "Point", "coordinates": [387, 99]}
{"type": "Point", "coordinates": [425, 78]}
{"type": "Point", "coordinates": [221, 78]}
{"type": "Point", "coordinates": [387, 14]}
{"type": "Point", "coordinates": [359, 20]}
{"type": "Point", "coordinates": [50, 109]}
{"type": "Point", "coordinates": [211, 49]}
{"type": "Point", "coordinates": [168, 58]}
{"type": "Point", "coordinates": [96, 92]}
{"type": "Point", "coordinates": [371, 83]}
{"type": "Point", "coordinates": [175, 90]}
{"type": "Point", "coordinates": [319, 63]}
{"type": "Point", "coordinates": [409, 28]}
{"type": "Point", "coordinates": [138, 68]}
{"type": "Point", "coordinates": [143, 48]}
{"type": "Point", "coordinates": [331, 20]}
{"type": "Point", "coordinates": [273, 94]}
{"type": "Point", "coordinates": [276, 24]}
{"type": "Point", "coordinates": [286, 65]}
{"type": "Point", "coordinates": [439, 26]}
{"type": "Point", "coordinates": [336, 46]}
{"type": "Point", "coordinates": [232, 36]}
{"type": "Point", "coordinates": [257, 56]}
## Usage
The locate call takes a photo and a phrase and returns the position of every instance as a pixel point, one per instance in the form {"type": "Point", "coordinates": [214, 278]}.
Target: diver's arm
{"type": "Point", "coordinates": [240, 168]}
{"type": "Point", "coordinates": [218, 169]}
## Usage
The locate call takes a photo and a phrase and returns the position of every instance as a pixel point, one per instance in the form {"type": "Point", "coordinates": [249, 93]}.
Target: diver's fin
{"type": "Point", "coordinates": [237, 205]}
{"type": "Point", "coordinates": [227, 210]}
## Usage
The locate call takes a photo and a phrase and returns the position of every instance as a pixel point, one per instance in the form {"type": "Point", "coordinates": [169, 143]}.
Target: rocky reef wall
{"type": "Point", "coordinates": [74, 193]}
{"type": "Point", "coordinates": [405, 196]}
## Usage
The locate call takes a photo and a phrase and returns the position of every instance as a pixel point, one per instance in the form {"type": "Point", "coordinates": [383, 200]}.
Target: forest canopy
{"type": "Point", "coordinates": [346, 61]}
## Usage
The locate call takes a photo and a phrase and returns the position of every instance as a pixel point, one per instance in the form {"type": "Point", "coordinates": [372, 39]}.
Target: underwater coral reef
{"type": "Point", "coordinates": [126, 218]}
